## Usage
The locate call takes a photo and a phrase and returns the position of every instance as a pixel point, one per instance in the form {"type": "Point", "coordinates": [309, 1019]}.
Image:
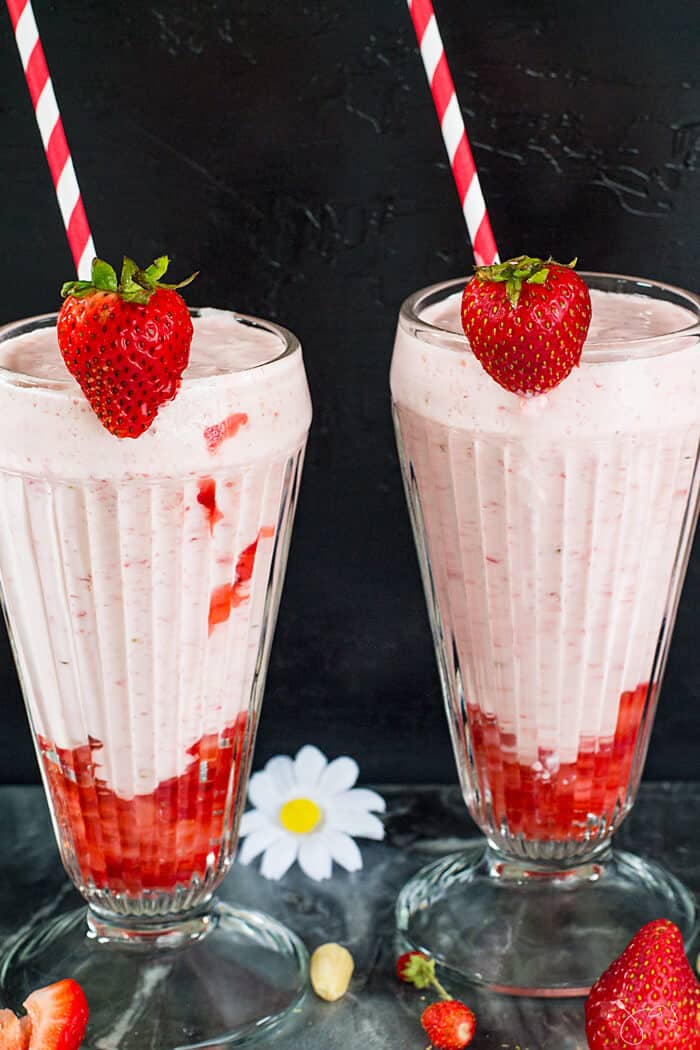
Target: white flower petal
{"type": "Point", "coordinates": [279, 858]}
{"type": "Point", "coordinates": [314, 858]}
{"type": "Point", "coordinates": [253, 820]}
{"type": "Point", "coordinates": [281, 770]}
{"type": "Point", "coordinates": [366, 825]}
{"type": "Point", "coordinates": [359, 798]}
{"type": "Point", "coordinates": [258, 841]}
{"type": "Point", "coordinates": [340, 775]}
{"type": "Point", "coordinates": [263, 793]}
{"type": "Point", "coordinates": [309, 765]}
{"type": "Point", "coordinates": [343, 849]}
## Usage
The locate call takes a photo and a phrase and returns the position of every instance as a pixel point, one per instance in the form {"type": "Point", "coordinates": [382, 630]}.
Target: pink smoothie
{"type": "Point", "coordinates": [141, 580]}
{"type": "Point", "coordinates": [548, 530]}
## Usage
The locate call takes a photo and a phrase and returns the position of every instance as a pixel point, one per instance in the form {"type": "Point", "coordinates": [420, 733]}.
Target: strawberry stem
{"type": "Point", "coordinates": [419, 970]}
{"type": "Point", "coordinates": [134, 285]}
{"type": "Point", "coordinates": [440, 989]}
{"type": "Point", "coordinates": [523, 269]}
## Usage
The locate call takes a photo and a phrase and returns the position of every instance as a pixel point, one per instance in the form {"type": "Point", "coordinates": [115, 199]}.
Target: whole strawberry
{"type": "Point", "coordinates": [648, 998]}
{"type": "Point", "coordinates": [526, 321]}
{"type": "Point", "coordinates": [127, 343]}
{"type": "Point", "coordinates": [418, 969]}
{"type": "Point", "coordinates": [449, 1024]}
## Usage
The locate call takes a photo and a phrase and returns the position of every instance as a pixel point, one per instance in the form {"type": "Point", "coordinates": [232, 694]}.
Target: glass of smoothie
{"type": "Point", "coordinates": [553, 535]}
{"type": "Point", "coordinates": [141, 580]}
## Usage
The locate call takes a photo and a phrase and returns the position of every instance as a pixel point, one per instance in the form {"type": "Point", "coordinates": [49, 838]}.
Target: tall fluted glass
{"type": "Point", "coordinates": [553, 535]}
{"type": "Point", "coordinates": [141, 581]}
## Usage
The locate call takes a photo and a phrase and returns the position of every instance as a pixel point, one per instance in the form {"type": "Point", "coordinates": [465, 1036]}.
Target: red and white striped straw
{"type": "Point", "coordinates": [52, 135]}
{"type": "Point", "coordinates": [453, 132]}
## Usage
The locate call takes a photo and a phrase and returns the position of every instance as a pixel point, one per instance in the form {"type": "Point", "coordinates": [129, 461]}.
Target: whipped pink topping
{"type": "Point", "coordinates": [235, 370]}
{"type": "Point", "coordinates": [615, 381]}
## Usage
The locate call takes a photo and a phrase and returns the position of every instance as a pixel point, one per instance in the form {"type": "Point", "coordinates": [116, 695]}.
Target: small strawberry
{"type": "Point", "coordinates": [417, 969]}
{"type": "Point", "coordinates": [648, 998]}
{"type": "Point", "coordinates": [58, 1015]}
{"type": "Point", "coordinates": [449, 1024]}
{"type": "Point", "coordinates": [14, 1031]}
{"type": "Point", "coordinates": [127, 344]}
{"type": "Point", "coordinates": [526, 321]}
{"type": "Point", "coordinates": [411, 963]}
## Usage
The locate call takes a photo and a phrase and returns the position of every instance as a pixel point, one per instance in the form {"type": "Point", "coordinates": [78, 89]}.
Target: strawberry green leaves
{"type": "Point", "coordinates": [134, 285]}
{"type": "Point", "coordinates": [523, 269]}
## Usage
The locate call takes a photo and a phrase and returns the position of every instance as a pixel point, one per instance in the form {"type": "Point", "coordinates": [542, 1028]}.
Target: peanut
{"type": "Point", "coordinates": [330, 971]}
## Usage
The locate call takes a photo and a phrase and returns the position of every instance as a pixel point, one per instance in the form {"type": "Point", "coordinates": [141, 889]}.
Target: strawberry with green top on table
{"type": "Point", "coordinates": [526, 321]}
{"type": "Point", "coordinates": [126, 342]}
{"type": "Point", "coordinates": [449, 1023]}
{"type": "Point", "coordinates": [648, 998]}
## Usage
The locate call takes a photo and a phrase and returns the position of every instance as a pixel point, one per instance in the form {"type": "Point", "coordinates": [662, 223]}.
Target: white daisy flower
{"type": "Point", "coordinates": [307, 809]}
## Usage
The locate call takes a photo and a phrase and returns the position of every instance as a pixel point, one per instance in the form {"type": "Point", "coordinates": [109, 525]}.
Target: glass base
{"type": "Point", "coordinates": [525, 929]}
{"type": "Point", "coordinates": [216, 979]}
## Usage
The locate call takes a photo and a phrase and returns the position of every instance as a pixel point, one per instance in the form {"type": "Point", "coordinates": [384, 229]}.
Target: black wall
{"type": "Point", "coordinates": [291, 152]}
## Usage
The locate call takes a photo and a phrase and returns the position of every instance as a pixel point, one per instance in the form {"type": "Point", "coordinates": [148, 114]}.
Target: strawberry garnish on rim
{"type": "Point", "coordinates": [126, 342]}
{"type": "Point", "coordinates": [526, 321]}
{"type": "Point", "coordinates": [648, 998]}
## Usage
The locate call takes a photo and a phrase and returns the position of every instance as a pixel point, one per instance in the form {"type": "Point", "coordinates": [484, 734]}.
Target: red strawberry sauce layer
{"type": "Point", "coordinates": [556, 802]}
{"type": "Point", "coordinates": [149, 842]}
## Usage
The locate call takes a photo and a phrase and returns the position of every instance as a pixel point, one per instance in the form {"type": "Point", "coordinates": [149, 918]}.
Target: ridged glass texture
{"type": "Point", "coordinates": [549, 786]}
{"type": "Point", "coordinates": [108, 586]}
{"type": "Point", "coordinates": [141, 581]}
{"type": "Point", "coordinates": [552, 571]}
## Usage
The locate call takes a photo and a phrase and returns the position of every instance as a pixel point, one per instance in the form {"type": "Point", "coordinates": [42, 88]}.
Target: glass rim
{"type": "Point", "coordinates": [594, 350]}
{"type": "Point", "coordinates": [289, 345]}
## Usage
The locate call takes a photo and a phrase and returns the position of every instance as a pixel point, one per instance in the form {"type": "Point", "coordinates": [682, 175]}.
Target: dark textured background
{"type": "Point", "coordinates": [290, 150]}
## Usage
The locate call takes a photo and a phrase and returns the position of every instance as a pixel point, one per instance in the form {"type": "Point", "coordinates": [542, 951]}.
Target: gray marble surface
{"type": "Point", "coordinates": [378, 1012]}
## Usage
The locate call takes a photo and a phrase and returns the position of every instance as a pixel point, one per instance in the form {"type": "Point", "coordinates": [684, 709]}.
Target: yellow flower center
{"type": "Point", "coordinates": [300, 815]}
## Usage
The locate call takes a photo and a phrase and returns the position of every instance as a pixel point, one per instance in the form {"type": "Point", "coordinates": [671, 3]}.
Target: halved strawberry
{"type": "Point", "coordinates": [14, 1031]}
{"type": "Point", "coordinates": [58, 1015]}
{"type": "Point", "coordinates": [418, 969]}
{"type": "Point", "coordinates": [127, 344]}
